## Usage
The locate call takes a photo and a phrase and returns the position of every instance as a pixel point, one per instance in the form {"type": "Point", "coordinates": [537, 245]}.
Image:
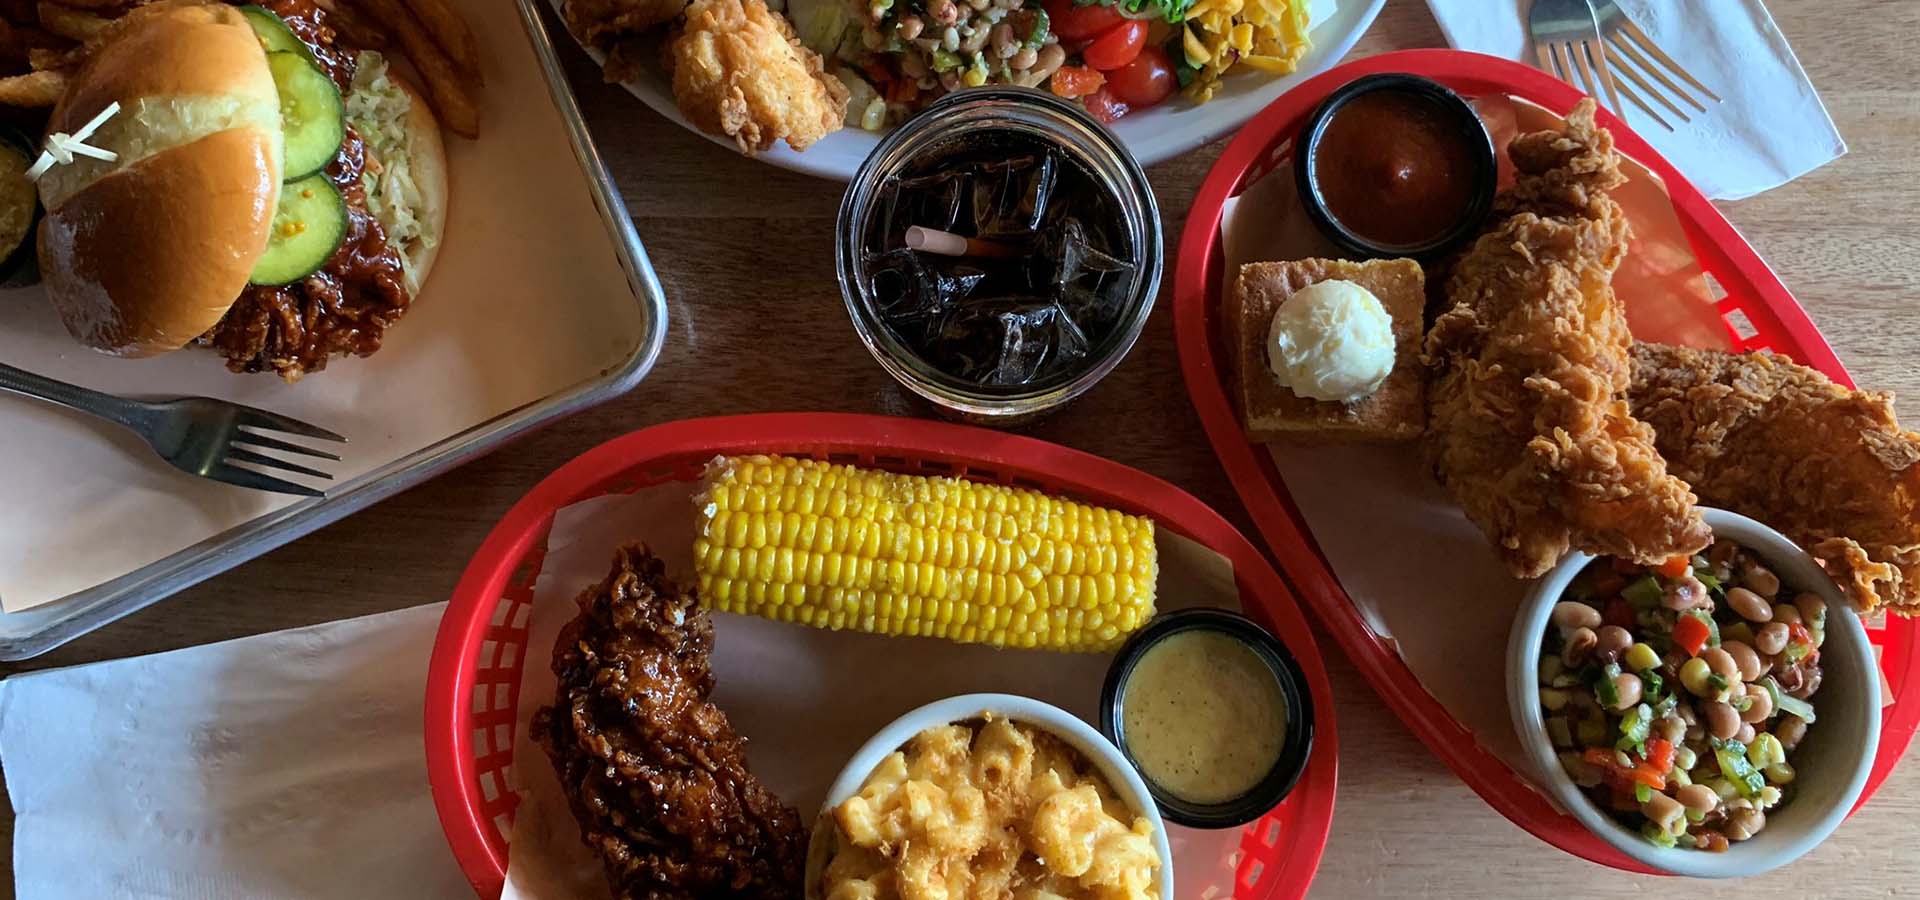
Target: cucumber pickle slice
{"type": "Point", "coordinates": [273, 32]}
{"type": "Point", "coordinates": [308, 226]}
{"type": "Point", "coordinates": [312, 116]}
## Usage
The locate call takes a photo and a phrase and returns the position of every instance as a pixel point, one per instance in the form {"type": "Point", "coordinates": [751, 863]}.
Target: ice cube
{"type": "Point", "coordinates": [1011, 196]}
{"type": "Point", "coordinates": [914, 291]}
{"type": "Point", "coordinates": [1075, 255]}
{"type": "Point", "coordinates": [930, 201]}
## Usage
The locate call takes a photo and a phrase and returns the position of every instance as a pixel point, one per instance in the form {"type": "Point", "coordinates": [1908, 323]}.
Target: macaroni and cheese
{"type": "Point", "coordinates": [988, 809]}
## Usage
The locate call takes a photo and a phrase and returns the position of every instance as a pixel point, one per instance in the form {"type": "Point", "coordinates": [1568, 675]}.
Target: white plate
{"type": "Point", "coordinates": [1154, 135]}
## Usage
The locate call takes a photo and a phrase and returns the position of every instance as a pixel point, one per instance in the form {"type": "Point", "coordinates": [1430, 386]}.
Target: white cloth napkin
{"type": "Point", "coordinates": [1771, 126]}
{"type": "Point", "coordinates": [286, 765]}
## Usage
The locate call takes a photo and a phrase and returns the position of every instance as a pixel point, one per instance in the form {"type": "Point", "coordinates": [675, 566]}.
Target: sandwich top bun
{"type": "Point", "coordinates": [145, 253]}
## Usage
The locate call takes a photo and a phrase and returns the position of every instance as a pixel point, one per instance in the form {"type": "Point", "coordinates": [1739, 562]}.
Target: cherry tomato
{"type": "Point", "coordinates": [1075, 81]}
{"type": "Point", "coordinates": [1117, 47]}
{"type": "Point", "coordinates": [1146, 81]}
{"type": "Point", "coordinates": [1072, 22]}
{"type": "Point", "coordinates": [1102, 105]}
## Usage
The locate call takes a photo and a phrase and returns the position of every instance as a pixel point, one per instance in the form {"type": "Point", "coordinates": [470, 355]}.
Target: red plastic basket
{"type": "Point", "coordinates": [473, 681]}
{"type": "Point", "coordinates": [1778, 323]}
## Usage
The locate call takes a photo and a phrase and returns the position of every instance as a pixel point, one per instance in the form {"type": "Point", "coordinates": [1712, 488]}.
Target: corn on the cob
{"type": "Point", "coordinates": [834, 546]}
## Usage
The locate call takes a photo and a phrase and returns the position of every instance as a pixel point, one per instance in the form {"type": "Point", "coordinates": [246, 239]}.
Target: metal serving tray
{"type": "Point", "coordinates": [34, 631]}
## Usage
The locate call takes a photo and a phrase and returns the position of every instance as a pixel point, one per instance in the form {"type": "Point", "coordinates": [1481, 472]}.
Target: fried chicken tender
{"type": "Point", "coordinates": [739, 70]}
{"type": "Point", "coordinates": [655, 774]}
{"type": "Point", "coordinates": [1829, 467]}
{"type": "Point", "coordinates": [1530, 430]}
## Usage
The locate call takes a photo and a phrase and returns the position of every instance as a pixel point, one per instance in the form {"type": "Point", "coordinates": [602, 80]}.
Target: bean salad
{"type": "Point", "coordinates": [1675, 694]}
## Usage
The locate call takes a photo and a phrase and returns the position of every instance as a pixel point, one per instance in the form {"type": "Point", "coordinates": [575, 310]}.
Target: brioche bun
{"type": "Point", "coordinates": [144, 253]}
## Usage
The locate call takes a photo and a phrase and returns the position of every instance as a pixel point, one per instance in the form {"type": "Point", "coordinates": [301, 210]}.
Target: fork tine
{"type": "Point", "coordinates": [1629, 73]}
{"type": "Point", "coordinates": [1542, 59]}
{"type": "Point", "coordinates": [1579, 57]}
{"type": "Point", "coordinates": [241, 436]}
{"type": "Point", "coordinates": [1558, 69]}
{"type": "Point", "coordinates": [1642, 104]}
{"type": "Point", "coordinates": [247, 478]}
{"type": "Point", "coordinates": [241, 454]}
{"type": "Point", "coordinates": [1598, 51]}
{"type": "Point", "coordinates": [1627, 50]}
{"type": "Point", "coordinates": [252, 417]}
{"type": "Point", "coordinates": [1640, 37]}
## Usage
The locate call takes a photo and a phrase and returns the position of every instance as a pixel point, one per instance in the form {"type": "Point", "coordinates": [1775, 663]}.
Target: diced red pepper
{"type": "Point", "coordinates": [1651, 771]}
{"type": "Point", "coordinates": [1608, 583]}
{"type": "Point", "coordinates": [1676, 566]}
{"type": "Point", "coordinates": [1660, 756]}
{"type": "Point", "coordinates": [1076, 81]}
{"type": "Point", "coordinates": [1690, 634]}
{"type": "Point", "coordinates": [877, 73]}
{"type": "Point", "coordinates": [1618, 612]}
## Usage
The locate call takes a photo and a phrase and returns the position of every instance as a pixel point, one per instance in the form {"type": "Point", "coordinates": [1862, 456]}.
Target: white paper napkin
{"type": "Point", "coordinates": [287, 765]}
{"type": "Point", "coordinates": [1771, 126]}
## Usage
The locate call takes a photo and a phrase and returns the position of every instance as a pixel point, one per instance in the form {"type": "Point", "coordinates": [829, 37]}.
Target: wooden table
{"type": "Point", "coordinates": [746, 254]}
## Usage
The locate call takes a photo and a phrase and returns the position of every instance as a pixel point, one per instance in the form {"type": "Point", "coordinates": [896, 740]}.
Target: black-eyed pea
{"type": "Point", "coordinates": [1721, 721]}
{"type": "Point", "coordinates": [1749, 605]}
{"type": "Point", "coordinates": [1790, 730]}
{"type": "Point", "coordinates": [1746, 658]}
{"type": "Point", "coordinates": [1771, 639]}
{"type": "Point", "coordinates": [1759, 705]}
{"type": "Point", "coordinates": [1761, 579]}
{"type": "Point", "coordinates": [1744, 823]}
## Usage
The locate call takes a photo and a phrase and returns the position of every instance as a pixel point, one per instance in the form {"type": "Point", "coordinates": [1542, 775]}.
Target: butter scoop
{"type": "Point", "coordinates": [1331, 341]}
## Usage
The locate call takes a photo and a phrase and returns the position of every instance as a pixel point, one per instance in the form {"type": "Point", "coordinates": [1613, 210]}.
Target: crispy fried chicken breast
{"type": "Point", "coordinates": [1829, 467]}
{"type": "Point", "coordinates": [1530, 430]}
{"type": "Point", "coordinates": [739, 71]}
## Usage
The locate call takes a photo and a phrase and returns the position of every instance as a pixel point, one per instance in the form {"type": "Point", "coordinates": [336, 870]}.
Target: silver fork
{"type": "Point", "coordinates": [1639, 60]}
{"type": "Point", "coordinates": [197, 435]}
{"type": "Point", "coordinates": [1566, 41]}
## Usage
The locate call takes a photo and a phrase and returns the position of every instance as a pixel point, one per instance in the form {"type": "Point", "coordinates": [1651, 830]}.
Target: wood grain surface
{"type": "Point", "coordinates": [745, 252]}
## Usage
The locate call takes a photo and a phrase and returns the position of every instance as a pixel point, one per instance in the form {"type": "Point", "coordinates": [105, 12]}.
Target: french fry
{"type": "Point", "coordinates": [34, 89]}
{"type": "Point", "coordinates": [43, 58]}
{"type": "Point", "coordinates": [449, 96]}
{"type": "Point", "coordinates": [68, 22]}
{"type": "Point", "coordinates": [452, 34]}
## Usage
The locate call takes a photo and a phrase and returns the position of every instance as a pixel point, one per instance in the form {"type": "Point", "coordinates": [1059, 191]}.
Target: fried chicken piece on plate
{"type": "Point", "coordinates": [655, 774]}
{"type": "Point", "coordinates": [1767, 438]}
{"type": "Point", "coordinates": [601, 23]}
{"type": "Point", "coordinates": [740, 71]}
{"type": "Point", "coordinates": [1530, 430]}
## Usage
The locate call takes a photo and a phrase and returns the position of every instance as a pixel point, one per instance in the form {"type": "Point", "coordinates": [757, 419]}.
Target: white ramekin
{"type": "Point", "coordinates": [1831, 763]}
{"type": "Point", "coordinates": [1066, 726]}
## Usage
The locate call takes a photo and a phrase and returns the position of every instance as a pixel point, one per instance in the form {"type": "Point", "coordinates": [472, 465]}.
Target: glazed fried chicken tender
{"type": "Point", "coordinates": [739, 70]}
{"type": "Point", "coordinates": [1779, 442]}
{"type": "Point", "coordinates": [1531, 432]}
{"type": "Point", "coordinates": [655, 774]}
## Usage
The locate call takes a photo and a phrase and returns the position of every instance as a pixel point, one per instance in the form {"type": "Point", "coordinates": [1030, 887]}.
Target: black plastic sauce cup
{"type": "Point", "coordinates": [1456, 111]}
{"type": "Point", "coordinates": [1296, 744]}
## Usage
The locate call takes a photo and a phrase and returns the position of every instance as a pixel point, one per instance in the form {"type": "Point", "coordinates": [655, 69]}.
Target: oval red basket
{"type": "Point", "coordinates": [473, 680]}
{"type": "Point", "coordinates": [1778, 324]}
